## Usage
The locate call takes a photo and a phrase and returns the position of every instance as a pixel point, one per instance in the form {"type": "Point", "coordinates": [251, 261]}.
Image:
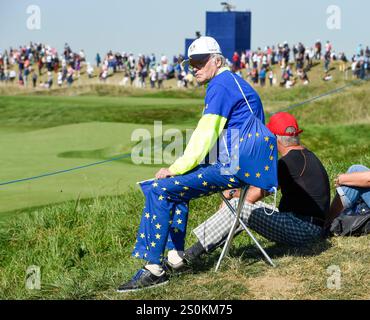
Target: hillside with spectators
{"type": "Point", "coordinates": [41, 66]}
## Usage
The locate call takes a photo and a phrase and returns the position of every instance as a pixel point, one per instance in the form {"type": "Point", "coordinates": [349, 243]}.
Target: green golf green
{"type": "Point", "coordinates": [41, 135]}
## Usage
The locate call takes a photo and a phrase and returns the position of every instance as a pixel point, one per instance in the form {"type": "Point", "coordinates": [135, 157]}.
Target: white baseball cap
{"type": "Point", "coordinates": [204, 45]}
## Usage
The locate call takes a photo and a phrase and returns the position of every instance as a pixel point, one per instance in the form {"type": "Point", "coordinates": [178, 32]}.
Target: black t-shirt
{"type": "Point", "coordinates": [304, 184]}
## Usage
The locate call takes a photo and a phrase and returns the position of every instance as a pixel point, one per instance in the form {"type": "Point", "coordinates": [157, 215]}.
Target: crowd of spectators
{"type": "Point", "coordinates": [143, 70]}
{"type": "Point", "coordinates": [295, 63]}
{"type": "Point", "coordinates": [28, 63]}
{"type": "Point", "coordinates": [361, 62]}
{"type": "Point", "coordinates": [277, 65]}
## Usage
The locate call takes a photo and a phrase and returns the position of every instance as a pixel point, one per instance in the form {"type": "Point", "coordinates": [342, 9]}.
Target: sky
{"type": "Point", "coordinates": [160, 27]}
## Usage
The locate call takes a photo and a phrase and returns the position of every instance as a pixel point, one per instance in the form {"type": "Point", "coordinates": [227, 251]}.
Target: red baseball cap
{"type": "Point", "coordinates": [280, 121]}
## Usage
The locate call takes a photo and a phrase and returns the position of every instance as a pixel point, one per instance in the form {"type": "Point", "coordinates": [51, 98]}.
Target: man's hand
{"type": "Point", "coordinates": [337, 181]}
{"type": "Point", "coordinates": [163, 173]}
{"type": "Point", "coordinates": [230, 195]}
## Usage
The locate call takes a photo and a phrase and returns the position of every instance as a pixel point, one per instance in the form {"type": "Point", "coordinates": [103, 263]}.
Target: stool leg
{"type": "Point", "coordinates": [230, 237]}
{"type": "Point", "coordinates": [247, 230]}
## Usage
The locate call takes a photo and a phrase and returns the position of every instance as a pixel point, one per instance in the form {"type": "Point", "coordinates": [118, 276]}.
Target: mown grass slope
{"type": "Point", "coordinates": [83, 247]}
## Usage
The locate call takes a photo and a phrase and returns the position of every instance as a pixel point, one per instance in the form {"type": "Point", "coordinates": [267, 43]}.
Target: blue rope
{"type": "Point", "coordinates": [129, 154]}
{"type": "Point", "coordinates": [67, 170]}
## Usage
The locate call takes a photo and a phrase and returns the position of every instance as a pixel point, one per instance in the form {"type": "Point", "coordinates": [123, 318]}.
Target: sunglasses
{"type": "Point", "coordinates": [199, 61]}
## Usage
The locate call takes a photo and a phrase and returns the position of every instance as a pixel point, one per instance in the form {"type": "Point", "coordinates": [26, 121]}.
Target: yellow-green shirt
{"type": "Point", "coordinates": [209, 128]}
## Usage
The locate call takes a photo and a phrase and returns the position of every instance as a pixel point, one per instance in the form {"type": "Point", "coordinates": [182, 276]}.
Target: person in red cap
{"type": "Point", "coordinates": [280, 122]}
{"type": "Point", "coordinates": [303, 208]}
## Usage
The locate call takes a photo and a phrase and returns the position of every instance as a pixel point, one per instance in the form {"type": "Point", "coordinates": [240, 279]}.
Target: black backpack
{"type": "Point", "coordinates": [354, 224]}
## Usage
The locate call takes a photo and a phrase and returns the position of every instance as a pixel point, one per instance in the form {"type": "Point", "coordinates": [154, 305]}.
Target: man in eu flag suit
{"type": "Point", "coordinates": [231, 105]}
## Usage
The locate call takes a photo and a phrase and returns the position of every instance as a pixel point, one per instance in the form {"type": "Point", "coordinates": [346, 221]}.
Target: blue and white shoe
{"type": "Point", "coordinates": [143, 279]}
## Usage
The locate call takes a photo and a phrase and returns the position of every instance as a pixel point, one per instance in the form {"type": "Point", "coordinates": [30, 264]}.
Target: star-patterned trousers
{"type": "Point", "coordinates": [165, 215]}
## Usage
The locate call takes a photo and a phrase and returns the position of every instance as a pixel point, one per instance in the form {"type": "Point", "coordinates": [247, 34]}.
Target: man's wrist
{"type": "Point", "coordinates": [339, 181]}
{"type": "Point", "coordinates": [232, 193]}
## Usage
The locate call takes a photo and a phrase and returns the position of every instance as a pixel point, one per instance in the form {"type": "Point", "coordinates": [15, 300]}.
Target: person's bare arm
{"type": "Point", "coordinates": [355, 179]}
{"type": "Point", "coordinates": [254, 195]}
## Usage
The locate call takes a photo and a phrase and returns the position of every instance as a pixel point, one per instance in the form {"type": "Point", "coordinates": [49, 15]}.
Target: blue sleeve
{"type": "Point", "coordinates": [218, 101]}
